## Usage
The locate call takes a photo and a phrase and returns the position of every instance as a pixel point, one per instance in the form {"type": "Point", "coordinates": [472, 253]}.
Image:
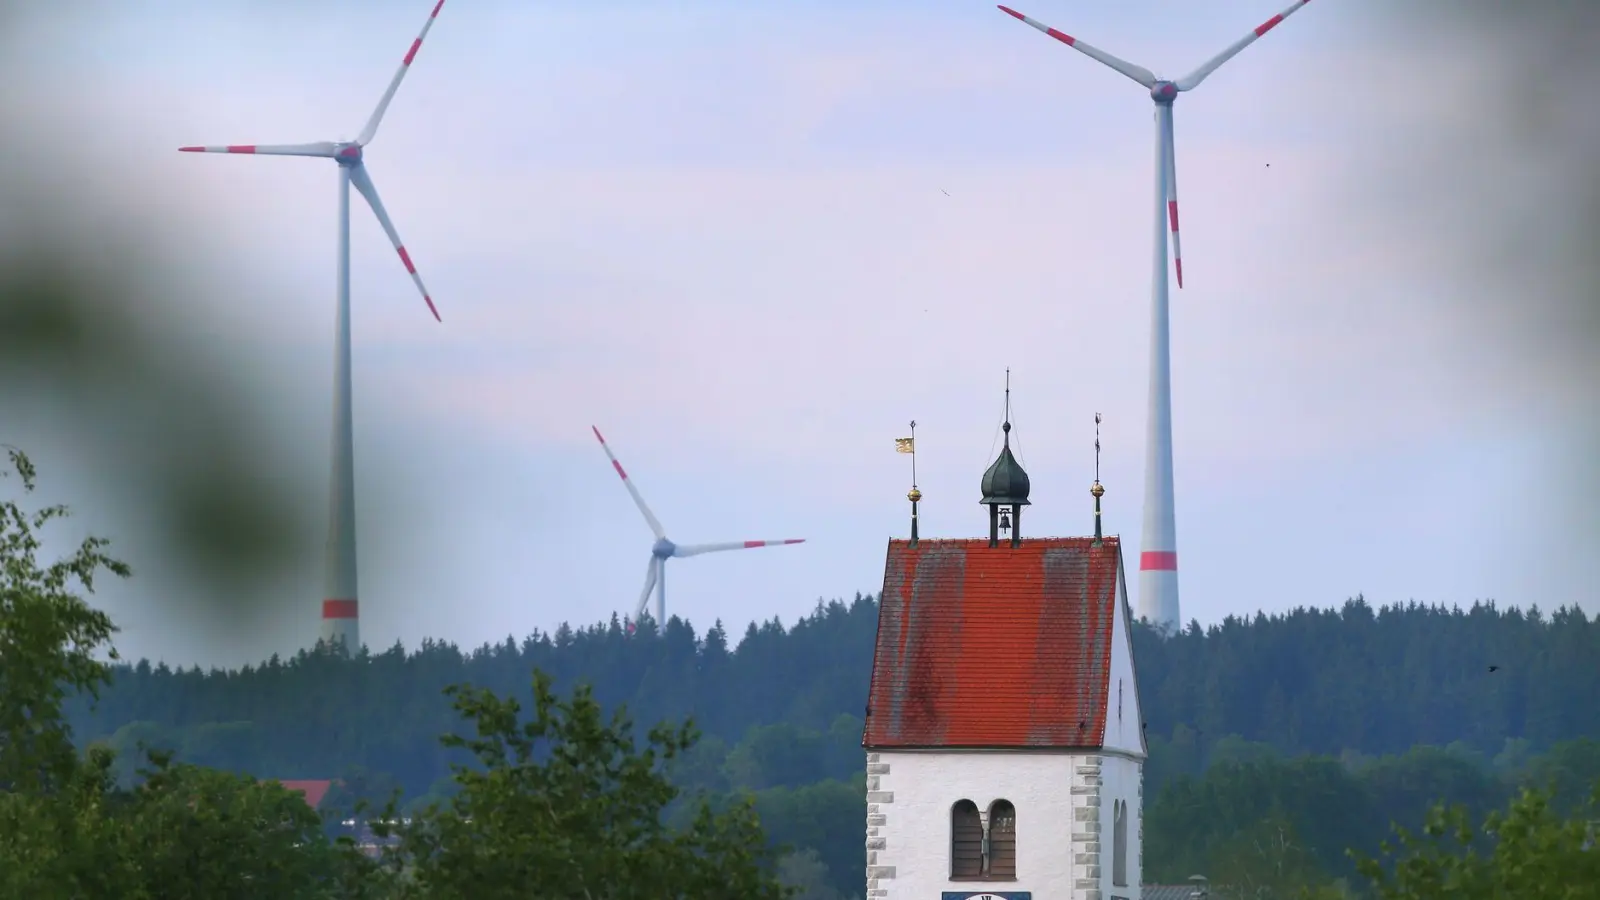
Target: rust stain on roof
{"type": "Point", "coordinates": [994, 647]}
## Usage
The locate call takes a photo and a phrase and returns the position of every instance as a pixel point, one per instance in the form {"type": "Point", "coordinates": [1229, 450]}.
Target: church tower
{"type": "Point", "coordinates": [1005, 753]}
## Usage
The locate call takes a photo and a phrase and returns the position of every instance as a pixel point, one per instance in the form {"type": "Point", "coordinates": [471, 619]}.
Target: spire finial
{"type": "Point", "coordinates": [914, 455]}
{"type": "Point", "coordinates": [1005, 427]}
{"type": "Point", "coordinates": [909, 445]}
{"type": "Point", "coordinates": [1005, 486]}
{"type": "Point", "coordinates": [1097, 489]}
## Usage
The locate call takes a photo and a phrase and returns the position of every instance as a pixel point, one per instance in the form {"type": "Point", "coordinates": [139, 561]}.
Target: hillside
{"type": "Point", "coordinates": [781, 711]}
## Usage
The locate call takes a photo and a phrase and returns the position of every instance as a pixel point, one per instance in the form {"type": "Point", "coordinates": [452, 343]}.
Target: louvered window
{"type": "Point", "coordinates": [966, 841]}
{"type": "Point", "coordinates": [1002, 840]}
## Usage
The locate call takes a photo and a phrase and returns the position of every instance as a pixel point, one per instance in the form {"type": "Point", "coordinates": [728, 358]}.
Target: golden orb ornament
{"type": "Point", "coordinates": [914, 495]}
{"type": "Point", "coordinates": [1097, 490]}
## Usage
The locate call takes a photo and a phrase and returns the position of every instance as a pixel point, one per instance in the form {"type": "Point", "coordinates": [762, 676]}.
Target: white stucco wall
{"type": "Point", "coordinates": [1121, 778]}
{"type": "Point", "coordinates": [1124, 719]}
{"type": "Point", "coordinates": [1061, 803]}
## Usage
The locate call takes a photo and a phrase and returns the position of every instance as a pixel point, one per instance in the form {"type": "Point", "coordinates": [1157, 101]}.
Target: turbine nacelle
{"type": "Point", "coordinates": [664, 549]}
{"type": "Point", "coordinates": [340, 605]}
{"type": "Point", "coordinates": [1158, 557]}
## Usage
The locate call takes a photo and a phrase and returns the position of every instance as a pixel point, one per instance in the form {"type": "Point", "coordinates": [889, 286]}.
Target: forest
{"type": "Point", "coordinates": [1277, 742]}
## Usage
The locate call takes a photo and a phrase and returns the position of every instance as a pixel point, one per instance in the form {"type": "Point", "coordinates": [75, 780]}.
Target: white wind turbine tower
{"type": "Point", "coordinates": [1158, 556]}
{"type": "Point", "coordinates": [655, 578]}
{"type": "Point", "coordinates": [340, 624]}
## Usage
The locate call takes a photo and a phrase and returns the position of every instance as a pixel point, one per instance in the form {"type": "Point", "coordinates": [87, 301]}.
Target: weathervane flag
{"type": "Point", "coordinates": [905, 445]}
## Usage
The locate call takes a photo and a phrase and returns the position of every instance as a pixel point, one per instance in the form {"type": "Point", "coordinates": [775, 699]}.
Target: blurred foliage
{"type": "Point", "coordinates": [98, 355]}
{"type": "Point", "coordinates": [1512, 190]}
{"type": "Point", "coordinates": [88, 343]}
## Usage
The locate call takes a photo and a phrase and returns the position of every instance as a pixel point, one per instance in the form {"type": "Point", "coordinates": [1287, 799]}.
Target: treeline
{"type": "Point", "coordinates": [1343, 694]}
{"type": "Point", "coordinates": [1256, 819]}
{"type": "Point", "coordinates": [1358, 679]}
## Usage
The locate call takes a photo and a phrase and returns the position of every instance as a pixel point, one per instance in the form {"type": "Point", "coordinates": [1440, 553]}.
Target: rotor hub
{"type": "Point", "coordinates": [348, 154]}
{"type": "Point", "coordinates": [663, 549]}
{"type": "Point", "coordinates": [1163, 92]}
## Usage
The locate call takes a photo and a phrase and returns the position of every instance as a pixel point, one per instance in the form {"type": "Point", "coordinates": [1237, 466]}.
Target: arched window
{"type": "Point", "coordinates": [1002, 840]}
{"type": "Point", "coordinates": [966, 841]}
{"type": "Point", "coordinates": [1119, 844]}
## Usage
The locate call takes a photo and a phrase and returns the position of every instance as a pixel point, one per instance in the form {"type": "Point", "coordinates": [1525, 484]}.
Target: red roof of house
{"type": "Point", "coordinates": [313, 791]}
{"type": "Point", "coordinates": [994, 647]}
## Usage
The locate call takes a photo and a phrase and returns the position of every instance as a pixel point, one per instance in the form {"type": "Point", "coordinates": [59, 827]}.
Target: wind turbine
{"type": "Point", "coordinates": [340, 622]}
{"type": "Point", "coordinates": [655, 578]}
{"type": "Point", "coordinates": [1158, 556]}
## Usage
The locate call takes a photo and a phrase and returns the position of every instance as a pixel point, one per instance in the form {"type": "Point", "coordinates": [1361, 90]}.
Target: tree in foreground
{"type": "Point", "coordinates": [66, 828]}
{"type": "Point", "coordinates": [1528, 851]}
{"type": "Point", "coordinates": [48, 640]}
{"type": "Point", "coordinates": [564, 804]}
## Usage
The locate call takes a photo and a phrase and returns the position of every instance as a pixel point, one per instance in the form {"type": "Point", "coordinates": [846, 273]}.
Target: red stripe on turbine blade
{"type": "Point", "coordinates": [1179, 263]}
{"type": "Point", "coordinates": [406, 258]}
{"type": "Point", "coordinates": [795, 541]}
{"type": "Point", "coordinates": [339, 609]}
{"type": "Point", "coordinates": [241, 148]}
{"type": "Point", "coordinates": [749, 544]}
{"type": "Point", "coordinates": [412, 53]}
{"type": "Point", "coordinates": [1062, 36]}
{"type": "Point", "coordinates": [1268, 25]}
{"type": "Point", "coordinates": [1158, 561]}
{"type": "Point", "coordinates": [436, 7]}
{"type": "Point", "coordinates": [1172, 214]}
{"type": "Point", "coordinates": [597, 434]}
{"type": "Point", "coordinates": [191, 149]}
{"type": "Point", "coordinates": [1013, 13]}
{"type": "Point", "coordinates": [435, 310]}
{"type": "Point", "coordinates": [618, 466]}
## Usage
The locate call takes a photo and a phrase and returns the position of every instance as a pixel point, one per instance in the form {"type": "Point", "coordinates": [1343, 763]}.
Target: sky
{"type": "Point", "coordinates": [751, 242]}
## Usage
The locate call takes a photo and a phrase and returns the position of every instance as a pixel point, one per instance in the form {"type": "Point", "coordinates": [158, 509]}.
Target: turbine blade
{"type": "Point", "coordinates": [1192, 80]}
{"type": "Point", "coordinates": [650, 577]}
{"type": "Point", "coordinates": [371, 128]}
{"type": "Point", "coordinates": [697, 549]}
{"type": "Point", "coordinates": [1137, 73]}
{"type": "Point", "coordinates": [363, 183]}
{"type": "Point", "coordinates": [322, 148]}
{"type": "Point", "coordinates": [1170, 163]}
{"type": "Point", "coordinates": [649, 517]}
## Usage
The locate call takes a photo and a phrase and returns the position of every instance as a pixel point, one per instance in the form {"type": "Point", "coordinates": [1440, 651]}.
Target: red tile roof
{"type": "Point", "coordinates": [314, 791]}
{"type": "Point", "coordinates": [1001, 647]}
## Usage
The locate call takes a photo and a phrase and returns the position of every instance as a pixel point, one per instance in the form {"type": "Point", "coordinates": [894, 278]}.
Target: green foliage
{"type": "Point", "coordinates": [1528, 851]}
{"type": "Point", "coordinates": [565, 805]}
{"type": "Point", "coordinates": [1268, 826]}
{"type": "Point", "coordinates": [48, 640]}
{"type": "Point", "coordinates": [775, 793]}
